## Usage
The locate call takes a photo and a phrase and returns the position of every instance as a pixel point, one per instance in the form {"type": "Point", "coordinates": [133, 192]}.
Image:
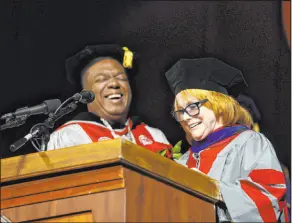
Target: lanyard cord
{"type": "Point", "coordinates": [128, 136]}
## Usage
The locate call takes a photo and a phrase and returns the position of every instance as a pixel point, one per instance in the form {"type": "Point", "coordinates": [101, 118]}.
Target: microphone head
{"type": "Point", "coordinates": [87, 96]}
{"type": "Point", "coordinates": [52, 105]}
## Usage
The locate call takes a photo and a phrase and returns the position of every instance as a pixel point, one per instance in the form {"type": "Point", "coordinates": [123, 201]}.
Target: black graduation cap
{"type": "Point", "coordinates": [248, 103]}
{"type": "Point", "coordinates": [207, 74]}
{"type": "Point", "coordinates": [76, 63]}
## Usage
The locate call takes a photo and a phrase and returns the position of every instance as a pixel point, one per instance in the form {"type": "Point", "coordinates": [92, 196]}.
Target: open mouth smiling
{"type": "Point", "coordinates": [193, 125]}
{"type": "Point", "coordinates": [114, 97]}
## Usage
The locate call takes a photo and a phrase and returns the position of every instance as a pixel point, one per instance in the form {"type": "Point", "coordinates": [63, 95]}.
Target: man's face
{"type": "Point", "coordinates": [109, 82]}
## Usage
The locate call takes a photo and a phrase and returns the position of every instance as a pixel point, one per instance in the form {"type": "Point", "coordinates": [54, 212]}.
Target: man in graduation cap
{"type": "Point", "coordinates": [250, 178]}
{"type": "Point", "coordinates": [105, 70]}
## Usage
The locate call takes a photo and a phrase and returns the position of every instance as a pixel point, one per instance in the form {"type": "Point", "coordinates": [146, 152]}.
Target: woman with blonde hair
{"type": "Point", "coordinates": [224, 147]}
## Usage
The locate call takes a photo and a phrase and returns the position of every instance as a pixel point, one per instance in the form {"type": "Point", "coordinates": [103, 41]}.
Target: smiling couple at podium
{"type": "Point", "coordinates": [224, 147]}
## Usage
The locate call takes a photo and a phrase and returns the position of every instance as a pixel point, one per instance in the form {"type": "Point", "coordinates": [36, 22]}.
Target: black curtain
{"type": "Point", "coordinates": [38, 35]}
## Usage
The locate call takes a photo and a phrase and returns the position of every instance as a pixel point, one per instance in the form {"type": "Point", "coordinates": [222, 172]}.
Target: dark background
{"type": "Point", "coordinates": [38, 35]}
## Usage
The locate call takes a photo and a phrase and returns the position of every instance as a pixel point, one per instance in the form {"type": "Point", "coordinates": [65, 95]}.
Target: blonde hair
{"type": "Point", "coordinates": [224, 107]}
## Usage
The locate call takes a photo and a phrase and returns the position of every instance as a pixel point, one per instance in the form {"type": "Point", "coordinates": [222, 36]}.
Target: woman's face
{"type": "Point", "coordinates": [201, 125]}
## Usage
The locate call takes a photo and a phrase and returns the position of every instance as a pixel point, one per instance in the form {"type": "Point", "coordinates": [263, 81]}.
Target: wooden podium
{"type": "Point", "coordinates": [109, 181]}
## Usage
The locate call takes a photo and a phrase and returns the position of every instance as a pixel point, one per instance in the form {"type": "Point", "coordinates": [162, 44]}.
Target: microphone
{"type": "Point", "coordinates": [42, 129]}
{"type": "Point", "coordinates": [15, 146]}
{"type": "Point", "coordinates": [84, 97]}
{"type": "Point", "coordinates": [45, 108]}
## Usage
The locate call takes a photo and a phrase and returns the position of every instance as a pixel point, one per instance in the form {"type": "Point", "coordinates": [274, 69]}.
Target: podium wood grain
{"type": "Point", "coordinates": [110, 181]}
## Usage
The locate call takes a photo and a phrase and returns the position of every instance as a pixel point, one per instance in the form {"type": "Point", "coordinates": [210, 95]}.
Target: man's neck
{"type": "Point", "coordinates": [114, 121]}
{"type": "Point", "coordinates": [116, 124]}
{"type": "Point", "coordinates": [118, 121]}
{"type": "Point", "coordinates": [89, 116]}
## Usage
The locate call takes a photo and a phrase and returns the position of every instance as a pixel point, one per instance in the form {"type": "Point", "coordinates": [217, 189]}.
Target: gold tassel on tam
{"type": "Point", "coordinates": [128, 58]}
{"type": "Point", "coordinates": [256, 127]}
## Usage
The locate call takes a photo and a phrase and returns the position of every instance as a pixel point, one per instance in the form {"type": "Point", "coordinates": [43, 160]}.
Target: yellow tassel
{"type": "Point", "coordinates": [256, 127]}
{"type": "Point", "coordinates": [128, 58]}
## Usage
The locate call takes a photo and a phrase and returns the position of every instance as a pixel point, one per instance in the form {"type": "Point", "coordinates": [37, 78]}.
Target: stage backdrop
{"type": "Point", "coordinates": [38, 35]}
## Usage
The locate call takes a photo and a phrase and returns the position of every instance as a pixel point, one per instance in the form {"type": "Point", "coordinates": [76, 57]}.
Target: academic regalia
{"type": "Point", "coordinates": [244, 162]}
{"type": "Point", "coordinates": [87, 128]}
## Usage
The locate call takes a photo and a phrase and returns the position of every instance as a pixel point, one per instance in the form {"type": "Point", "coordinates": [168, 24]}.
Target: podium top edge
{"type": "Point", "coordinates": [116, 151]}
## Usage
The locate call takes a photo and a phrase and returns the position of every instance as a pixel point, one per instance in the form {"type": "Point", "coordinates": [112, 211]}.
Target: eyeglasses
{"type": "Point", "coordinates": [192, 110]}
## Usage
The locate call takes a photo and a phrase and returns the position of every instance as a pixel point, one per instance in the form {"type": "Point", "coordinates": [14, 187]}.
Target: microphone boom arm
{"type": "Point", "coordinates": [42, 128]}
{"type": "Point", "coordinates": [11, 123]}
{"type": "Point", "coordinates": [55, 113]}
